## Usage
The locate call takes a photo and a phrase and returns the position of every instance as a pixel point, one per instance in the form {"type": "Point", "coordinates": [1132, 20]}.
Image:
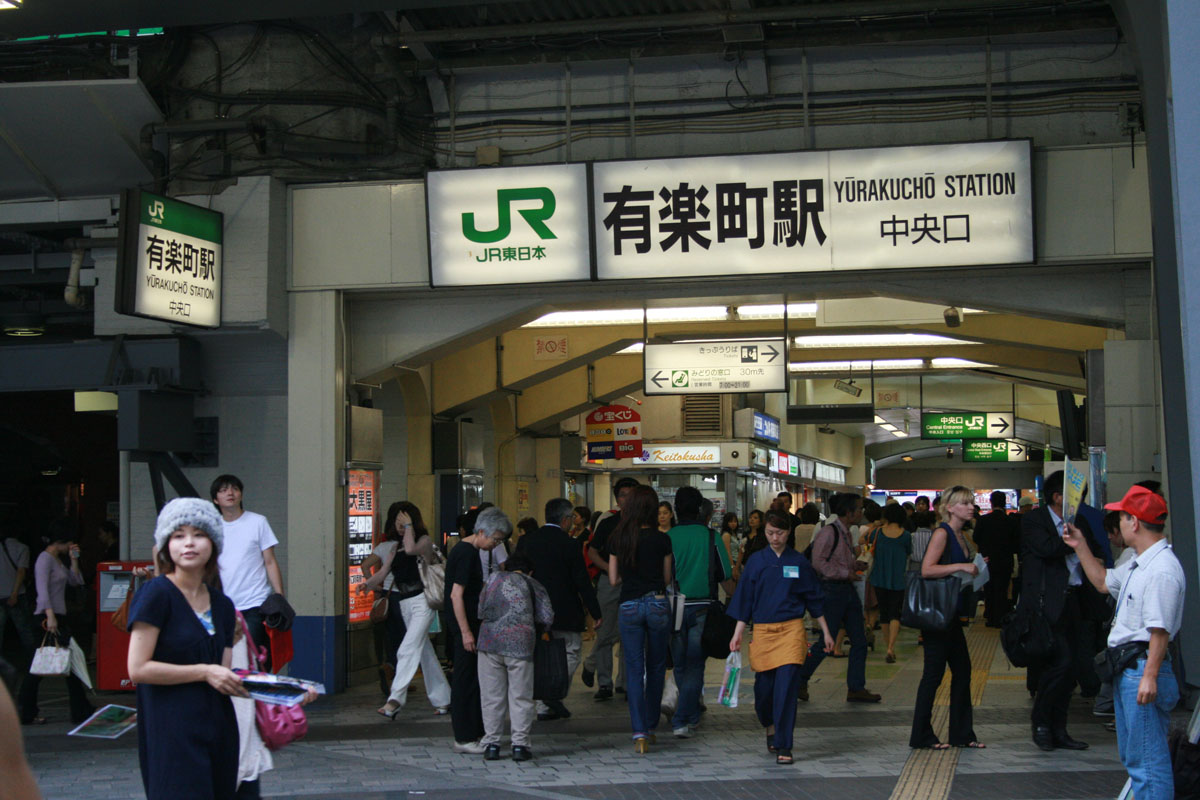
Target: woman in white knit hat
{"type": "Point", "coordinates": [182, 630]}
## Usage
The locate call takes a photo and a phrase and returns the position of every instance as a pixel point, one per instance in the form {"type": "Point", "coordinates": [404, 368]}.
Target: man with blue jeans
{"type": "Point", "coordinates": [700, 565]}
{"type": "Point", "coordinates": [833, 558]}
{"type": "Point", "coordinates": [1149, 593]}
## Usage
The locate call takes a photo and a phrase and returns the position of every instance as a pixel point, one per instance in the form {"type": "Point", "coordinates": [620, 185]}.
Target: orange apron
{"type": "Point", "coordinates": [778, 643]}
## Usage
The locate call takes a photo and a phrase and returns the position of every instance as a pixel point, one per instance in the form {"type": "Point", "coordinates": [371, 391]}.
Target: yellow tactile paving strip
{"type": "Point", "coordinates": [927, 774]}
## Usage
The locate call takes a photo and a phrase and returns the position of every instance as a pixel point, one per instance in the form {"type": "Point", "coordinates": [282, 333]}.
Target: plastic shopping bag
{"type": "Point", "coordinates": [728, 696]}
{"type": "Point", "coordinates": [79, 666]}
{"type": "Point", "coordinates": [670, 695]}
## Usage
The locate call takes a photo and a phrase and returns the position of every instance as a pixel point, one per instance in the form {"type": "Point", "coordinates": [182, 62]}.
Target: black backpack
{"type": "Point", "coordinates": [833, 544]}
{"type": "Point", "coordinates": [1185, 763]}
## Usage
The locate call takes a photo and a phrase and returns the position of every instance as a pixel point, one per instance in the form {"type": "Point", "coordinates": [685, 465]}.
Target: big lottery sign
{"type": "Point", "coordinates": [614, 432]}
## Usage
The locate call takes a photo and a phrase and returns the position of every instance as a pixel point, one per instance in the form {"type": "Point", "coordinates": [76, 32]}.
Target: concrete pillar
{"type": "Point", "coordinates": [419, 428]}
{"type": "Point", "coordinates": [1131, 414]}
{"type": "Point", "coordinates": [548, 483]}
{"type": "Point", "coordinates": [316, 577]}
{"type": "Point", "coordinates": [504, 429]}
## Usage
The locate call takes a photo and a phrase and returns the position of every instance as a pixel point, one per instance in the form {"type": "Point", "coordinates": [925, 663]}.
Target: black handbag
{"type": "Point", "coordinates": [718, 626]}
{"type": "Point", "coordinates": [551, 681]}
{"type": "Point", "coordinates": [931, 604]}
{"type": "Point", "coordinates": [1025, 634]}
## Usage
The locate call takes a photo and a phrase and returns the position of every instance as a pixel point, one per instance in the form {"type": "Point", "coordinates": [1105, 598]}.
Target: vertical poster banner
{"type": "Point", "coordinates": [523, 498]}
{"type": "Point", "coordinates": [614, 432]}
{"type": "Point", "coordinates": [1074, 482]}
{"type": "Point", "coordinates": [361, 491]}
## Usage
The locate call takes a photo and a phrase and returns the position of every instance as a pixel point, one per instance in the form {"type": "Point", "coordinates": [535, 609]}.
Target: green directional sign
{"type": "Point", "coordinates": [966, 424]}
{"type": "Point", "coordinates": [994, 450]}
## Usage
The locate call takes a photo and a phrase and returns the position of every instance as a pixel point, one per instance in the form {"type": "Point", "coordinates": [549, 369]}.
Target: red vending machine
{"type": "Point", "coordinates": [113, 582]}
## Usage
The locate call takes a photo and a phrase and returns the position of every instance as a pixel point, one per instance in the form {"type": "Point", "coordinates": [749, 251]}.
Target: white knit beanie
{"type": "Point", "coordinates": [193, 511]}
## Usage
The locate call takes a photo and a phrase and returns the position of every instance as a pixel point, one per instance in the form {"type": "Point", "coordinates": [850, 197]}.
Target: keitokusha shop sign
{"type": "Point", "coordinates": [169, 260]}
{"type": "Point", "coordinates": [680, 455]}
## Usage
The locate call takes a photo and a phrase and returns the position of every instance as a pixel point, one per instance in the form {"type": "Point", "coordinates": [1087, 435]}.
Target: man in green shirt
{"type": "Point", "coordinates": [700, 565]}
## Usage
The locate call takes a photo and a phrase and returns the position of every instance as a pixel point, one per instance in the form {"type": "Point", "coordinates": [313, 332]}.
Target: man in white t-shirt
{"type": "Point", "coordinates": [249, 571]}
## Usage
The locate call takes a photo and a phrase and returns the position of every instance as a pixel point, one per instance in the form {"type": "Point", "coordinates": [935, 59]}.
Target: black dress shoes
{"type": "Point", "coordinates": [1043, 738]}
{"type": "Point", "coordinates": [1063, 739]}
{"type": "Point", "coordinates": [521, 753]}
{"type": "Point", "coordinates": [492, 753]}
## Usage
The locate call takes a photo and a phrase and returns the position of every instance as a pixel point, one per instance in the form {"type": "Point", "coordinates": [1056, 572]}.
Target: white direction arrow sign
{"type": "Point", "coordinates": [1000, 425]}
{"type": "Point", "coordinates": [717, 367]}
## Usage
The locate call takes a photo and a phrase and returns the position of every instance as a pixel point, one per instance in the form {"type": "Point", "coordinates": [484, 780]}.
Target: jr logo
{"type": "Point", "coordinates": [536, 217]}
{"type": "Point", "coordinates": [156, 210]}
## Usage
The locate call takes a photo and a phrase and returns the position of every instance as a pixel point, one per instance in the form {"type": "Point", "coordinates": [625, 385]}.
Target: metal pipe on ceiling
{"type": "Point", "coordinates": [693, 19]}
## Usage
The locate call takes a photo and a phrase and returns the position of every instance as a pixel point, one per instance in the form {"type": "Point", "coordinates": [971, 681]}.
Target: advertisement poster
{"type": "Point", "coordinates": [614, 432]}
{"type": "Point", "coordinates": [1074, 482]}
{"type": "Point", "coordinates": [361, 491]}
{"type": "Point", "coordinates": [108, 723]}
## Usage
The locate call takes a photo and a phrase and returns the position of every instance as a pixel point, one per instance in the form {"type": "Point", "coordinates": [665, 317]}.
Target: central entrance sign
{"type": "Point", "coordinates": [994, 450]}
{"type": "Point", "coordinates": [716, 367]}
{"type": "Point", "coordinates": [966, 425]}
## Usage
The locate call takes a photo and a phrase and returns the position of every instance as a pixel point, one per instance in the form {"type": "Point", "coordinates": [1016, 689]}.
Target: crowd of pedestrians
{"type": "Point", "coordinates": [646, 575]}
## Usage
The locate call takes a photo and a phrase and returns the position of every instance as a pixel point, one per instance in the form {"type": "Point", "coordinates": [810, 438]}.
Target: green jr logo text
{"type": "Point", "coordinates": [536, 217]}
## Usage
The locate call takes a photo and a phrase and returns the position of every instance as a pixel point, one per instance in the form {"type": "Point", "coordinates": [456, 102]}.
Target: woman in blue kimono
{"type": "Point", "coordinates": [777, 587]}
{"type": "Point", "coordinates": [181, 630]}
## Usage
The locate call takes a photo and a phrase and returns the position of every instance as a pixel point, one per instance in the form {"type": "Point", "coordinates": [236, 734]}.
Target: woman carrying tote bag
{"type": "Point", "coordinates": [948, 646]}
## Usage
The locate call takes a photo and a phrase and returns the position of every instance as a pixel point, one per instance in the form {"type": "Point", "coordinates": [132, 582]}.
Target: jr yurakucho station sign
{"type": "Point", "coordinates": [169, 263]}
{"type": "Point", "coordinates": [876, 208]}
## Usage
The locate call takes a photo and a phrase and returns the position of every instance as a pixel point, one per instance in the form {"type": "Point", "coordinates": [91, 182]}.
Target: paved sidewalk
{"type": "Point", "coordinates": [843, 750]}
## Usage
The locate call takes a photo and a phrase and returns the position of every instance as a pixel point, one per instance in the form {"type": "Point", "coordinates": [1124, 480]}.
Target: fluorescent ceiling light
{"type": "Point", "coordinates": [956, 363]}
{"type": "Point", "coordinates": [899, 434]}
{"type": "Point", "coordinates": [878, 340]}
{"type": "Point", "coordinates": [775, 311]}
{"type": "Point", "coordinates": [861, 366]}
{"type": "Point", "coordinates": [906, 458]}
{"type": "Point", "coordinates": [636, 347]}
{"type": "Point", "coordinates": [7, 4]}
{"type": "Point", "coordinates": [628, 316]}
{"type": "Point", "coordinates": [887, 426]}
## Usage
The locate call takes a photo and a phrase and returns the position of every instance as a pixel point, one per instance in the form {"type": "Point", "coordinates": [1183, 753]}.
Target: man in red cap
{"type": "Point", "coordinates": [1149, 593]}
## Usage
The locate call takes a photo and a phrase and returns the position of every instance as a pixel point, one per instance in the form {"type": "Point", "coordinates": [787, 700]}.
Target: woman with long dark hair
{"type": "Point", "coordinates": [639, 560]}
{"type": "Point", "coordinates": [390, 634]}
{"type": "Point", "coordinates": [666, 516]}
{"type": "Point", "coordinates": [415, 649]}
{"type": "Point", "coordinates": [731, 538]}
{"type": "Point", "coordinates": [947, 554]}
{"type": "Point", "coordinates": [756, 537]}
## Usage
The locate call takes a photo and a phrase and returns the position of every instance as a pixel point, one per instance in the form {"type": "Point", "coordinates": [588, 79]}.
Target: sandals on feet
{"type": "Point", "coordinates": [770, 743]}
{"type": "Point", "coordinates": [972, 746]}
{"type": "Point", "coordinates": [389, 710]}
{"type": "Point", "coordinates": [784, 757]}
{"type": "Point", "coordinates": [934, 746]}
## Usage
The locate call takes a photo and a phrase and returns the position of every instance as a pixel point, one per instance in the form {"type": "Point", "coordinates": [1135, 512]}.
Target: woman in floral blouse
{"type": "Point", "coordinates": [511, 602]}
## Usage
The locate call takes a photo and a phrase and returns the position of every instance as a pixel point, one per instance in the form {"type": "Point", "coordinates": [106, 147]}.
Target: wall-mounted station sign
{"type": "Point", "coordinates": [994, 450]}
{"type": "Point", "coordinates": [716, 367]}
{"type": "Point", "coordinates": [169, 264]}
{"type": "Point", "coordinates": [877, 208]}
{"type": "Point", "coordinates": [966, 424]}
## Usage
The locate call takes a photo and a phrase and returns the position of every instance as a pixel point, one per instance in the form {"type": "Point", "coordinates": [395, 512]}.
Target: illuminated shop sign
{"type": "Point", "coordinates": [508, 225]}
{"type": "Point", "coordinates": [679, 455]}
{"type": "Point", "coordinates": [169, 260]}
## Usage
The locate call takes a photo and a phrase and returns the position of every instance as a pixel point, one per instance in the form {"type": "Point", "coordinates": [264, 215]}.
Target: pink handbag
{"type": "Point", "coordinates": [278, 725]}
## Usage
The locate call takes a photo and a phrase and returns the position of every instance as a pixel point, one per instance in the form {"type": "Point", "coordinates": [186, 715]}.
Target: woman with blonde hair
{"type": "Point", "coordinates": [947, 554]}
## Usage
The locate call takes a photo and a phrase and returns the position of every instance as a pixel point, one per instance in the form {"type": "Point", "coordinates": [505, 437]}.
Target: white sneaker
{"type": "Point", "coordinates": [684, 732]}
{"type": "Point", "coordinates": [470, 748]}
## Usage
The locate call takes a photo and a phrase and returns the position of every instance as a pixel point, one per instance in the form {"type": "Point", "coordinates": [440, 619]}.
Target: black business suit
{"type": "Point", "coordinates": [998, 537]}
{"type": "Point", "coordinates": [1044, 559]}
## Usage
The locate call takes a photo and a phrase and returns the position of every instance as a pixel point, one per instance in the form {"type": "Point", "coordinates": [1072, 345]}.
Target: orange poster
{"type": "Point", "coordinates": [361, 493]}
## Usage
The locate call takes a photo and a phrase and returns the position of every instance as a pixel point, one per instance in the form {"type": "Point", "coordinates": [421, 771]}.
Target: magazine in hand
{"type": "Point", "coordinates": [278, 689]}
{"type": "Point", "coordinates": [107, 723]}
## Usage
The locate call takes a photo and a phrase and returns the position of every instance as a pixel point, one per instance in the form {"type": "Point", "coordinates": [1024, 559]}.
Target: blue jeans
{"type": "Point", "coordinates": [688, 656]}
{"type": "Point", "coordinates": [1142, 731]}
{"type": "Point", "coordinates": [843, 609]}
{"type": "Point", "coordinates": [645, 625]}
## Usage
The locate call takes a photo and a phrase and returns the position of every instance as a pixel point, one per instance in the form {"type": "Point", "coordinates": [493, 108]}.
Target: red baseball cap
{"type": "Point", "coordinates": [1142, 503]}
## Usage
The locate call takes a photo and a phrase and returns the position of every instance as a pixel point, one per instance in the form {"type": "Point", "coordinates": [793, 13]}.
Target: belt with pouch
{"type": "Point", "coordinates": [1124, 656]}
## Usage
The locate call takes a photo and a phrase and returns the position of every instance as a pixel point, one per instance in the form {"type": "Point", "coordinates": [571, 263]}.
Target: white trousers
{"type": "Point", "coordinates": [506, 690]}
{"type": "Point", "coordinates": [417, 651]}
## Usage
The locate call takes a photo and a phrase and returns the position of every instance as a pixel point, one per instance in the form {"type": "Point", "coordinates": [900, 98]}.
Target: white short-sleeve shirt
{"type": "Point", "coordinates": [243, 571]}
{"type": "Point", "coordinates": [383, 550]}
{"type": "Point", "coordinates": [1149, 593]}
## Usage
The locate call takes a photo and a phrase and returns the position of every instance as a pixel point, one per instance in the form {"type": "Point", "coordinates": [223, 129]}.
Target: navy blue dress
{"type": "Point", "coordinates": [187, 733]}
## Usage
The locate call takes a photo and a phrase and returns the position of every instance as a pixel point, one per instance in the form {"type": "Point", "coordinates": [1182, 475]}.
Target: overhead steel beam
{"type": "Point", "coordinates": [174, 363]}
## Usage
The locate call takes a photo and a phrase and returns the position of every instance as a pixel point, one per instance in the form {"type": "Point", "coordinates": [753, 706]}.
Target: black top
{"type": "Point", "coordinates": [652, 547]}
{"type": "Point", "coordinates": [406, 574]}
{"type": "Point", "coordinates": [604, 530]}
{"type": "Point", "coordinates": [464, 568]}
{"type": "Point", "coordinates": [558, 567]}
{"type": "Point", "coordinates": [998, 537]}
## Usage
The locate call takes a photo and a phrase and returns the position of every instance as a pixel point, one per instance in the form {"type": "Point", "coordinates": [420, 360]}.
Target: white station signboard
{"type": "Point", "coordinates": [508, 225]}
{"type": "Point", "coordinates": [877, 208]}
{"type": "Point", "coordinates": [716, 367]}
{"type": "Point", "coordinates": [169, 263]}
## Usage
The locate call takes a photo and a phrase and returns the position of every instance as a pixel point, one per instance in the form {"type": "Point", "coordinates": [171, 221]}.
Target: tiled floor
{"type": "Point", "coordinates": [843, 751]}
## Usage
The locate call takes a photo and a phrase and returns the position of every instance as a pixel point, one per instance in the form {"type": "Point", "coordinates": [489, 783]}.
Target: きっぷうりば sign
{"type": "Point", "coordinates": [169, 260]}
{"type": "Point", "coordinates": [875, 208]}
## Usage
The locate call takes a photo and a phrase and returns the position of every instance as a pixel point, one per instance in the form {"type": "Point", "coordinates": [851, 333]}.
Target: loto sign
{"type": "Point", "coordinates": [614, 432]}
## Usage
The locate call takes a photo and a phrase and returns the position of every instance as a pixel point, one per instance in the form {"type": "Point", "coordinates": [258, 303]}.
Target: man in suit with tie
{"type": "Point", "coordinates": [1051, 580]}
{"type": "Point", "coordinates": [998, 536]}
{"type": "Point", "coordinates": [558, 565]}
